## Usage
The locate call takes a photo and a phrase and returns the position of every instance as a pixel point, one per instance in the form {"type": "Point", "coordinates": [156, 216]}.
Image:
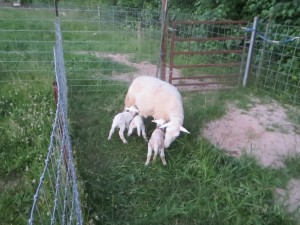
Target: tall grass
{"type": "Point", "coordinates": [26, 107]}
{"type": "Point", "coordinates": [26, 114]}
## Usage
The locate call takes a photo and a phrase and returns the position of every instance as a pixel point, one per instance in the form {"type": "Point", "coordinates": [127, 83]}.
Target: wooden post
{"type": "Point", "coordinates": [55, 91]}
{"type": "Point", "coordinates": [56, 7]}
{"type": "Point", "coordinates": [164, 40]}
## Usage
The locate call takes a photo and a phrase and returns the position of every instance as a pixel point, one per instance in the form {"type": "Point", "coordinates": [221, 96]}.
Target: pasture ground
{"type": "Point", "coordinates": [200, 184]}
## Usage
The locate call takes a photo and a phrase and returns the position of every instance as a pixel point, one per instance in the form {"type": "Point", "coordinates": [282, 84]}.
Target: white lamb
{"type": "Point", "coordinates": [122, 121]}
{"type": "Point", "coordinates": [138, 124]}
{"type": "Point", "coordinates": [156, 143]}
{"type": "Point", "coordinates": [159, 99]}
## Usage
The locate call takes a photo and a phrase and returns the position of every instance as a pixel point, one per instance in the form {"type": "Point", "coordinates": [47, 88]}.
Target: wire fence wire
{"type": "Point", "coordinates": [97, 40]}
{"type": "Point", "coordinates": [57, 200]}
{"type": "Point", "coordinates": [99, 44]}
{"type": "Point", "coordinates": [276, 61]}
{"type": "Point", "coordinates": [26, 40]}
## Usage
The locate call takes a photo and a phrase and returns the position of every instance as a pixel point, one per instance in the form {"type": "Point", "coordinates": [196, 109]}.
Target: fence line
{"type": "Point", "coordinates": [277, 60]}
{"type": "Point", "coordinates": [57, 196]}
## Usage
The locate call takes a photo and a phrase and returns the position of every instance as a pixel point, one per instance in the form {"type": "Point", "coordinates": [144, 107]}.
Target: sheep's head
{"type": "Point", "coordinates": [172, 132]}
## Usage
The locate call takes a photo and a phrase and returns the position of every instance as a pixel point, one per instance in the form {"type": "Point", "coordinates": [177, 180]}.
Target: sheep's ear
{"type": "Point", "coordinates": [165, 125]}
{"type": "Point", "coordinates": [184, 130]}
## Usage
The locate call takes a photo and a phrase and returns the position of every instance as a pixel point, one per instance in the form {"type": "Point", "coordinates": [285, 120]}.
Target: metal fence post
{"type": "Point", "coordinates": [250, 53]}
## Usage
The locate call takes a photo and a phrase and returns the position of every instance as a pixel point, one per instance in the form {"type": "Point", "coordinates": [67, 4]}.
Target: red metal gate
{"type": "Point", "coordinates": [206, 55]}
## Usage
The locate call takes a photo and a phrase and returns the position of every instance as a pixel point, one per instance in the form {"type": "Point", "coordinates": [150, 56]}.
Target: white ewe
{"type": "Point", "coordinates": [138, 124]}
{"type": "Point", "coordinates": [156, 143]}
{"type": "Point", "coordinates": [122, 121]}
{"type": "Point", "coordinates": [159, 99]}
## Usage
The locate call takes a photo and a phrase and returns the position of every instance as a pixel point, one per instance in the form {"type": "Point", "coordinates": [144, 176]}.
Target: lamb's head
{"type": "Point", "coordinates": [132, 109]}
{"type": "Point", "coordinates": [172, 132]}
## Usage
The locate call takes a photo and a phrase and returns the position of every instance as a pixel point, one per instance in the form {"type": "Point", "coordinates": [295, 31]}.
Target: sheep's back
{"type": "Point", "coordinates": [154, 97]}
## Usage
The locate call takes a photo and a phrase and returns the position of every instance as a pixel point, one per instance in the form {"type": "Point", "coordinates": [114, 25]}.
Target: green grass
{"type": "Point", "coordinates": [26, 114]}
{"type": "Point", "coordinates": [200, 185]}
{"type": "Point", "coordinates": [26, 107]}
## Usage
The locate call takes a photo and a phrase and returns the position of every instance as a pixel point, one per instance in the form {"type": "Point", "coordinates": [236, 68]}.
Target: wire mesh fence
{"type": "Point", "coordinates": [104, 43]}
{"type": "Point", "coordinates": [276, 61]}
{"type": "Point", "coordinates": [26, 40]}
{"type": "Point", "coordinates": [100, 44]}
{"type": "Point", "coordinates": [57, 196]}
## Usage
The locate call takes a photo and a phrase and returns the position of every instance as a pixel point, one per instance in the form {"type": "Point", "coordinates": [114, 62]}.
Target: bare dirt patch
{"type": "Point", "coordinates": [290, 196]}
{"type": "Point", "coordinates": [264, 132]}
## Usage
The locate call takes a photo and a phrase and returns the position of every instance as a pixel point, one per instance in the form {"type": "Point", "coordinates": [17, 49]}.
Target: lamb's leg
{"type": "Point", "coordinates": [130, 131]}
{"type": "Point", "coordinates": [155, 152]}
{"type": "Point", "coordinates": [121, 134]}
{"type": "Point", "coordinates": [112, 130]}
{"type": "Point", "coordinates": [149, 154]}
{"type": "Point", "coordinates": [144, 133]}
{"type": "Point", "coordinates": [138, 131]}
{"type": "Point", "coordinates": [162, 156]}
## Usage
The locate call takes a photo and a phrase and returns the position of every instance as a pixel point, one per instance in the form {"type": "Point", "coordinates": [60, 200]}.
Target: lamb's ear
{"type": "Point", "coordinates": [159, 121]}
{"type": "Point", "coordinates": [184, 130]}
{"type": "Point", "coordinates": [137, 108]}
{"type": "Point", "coordinates": [132, 109]}
{"type": "Point", "coordinates": [165, 125]}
